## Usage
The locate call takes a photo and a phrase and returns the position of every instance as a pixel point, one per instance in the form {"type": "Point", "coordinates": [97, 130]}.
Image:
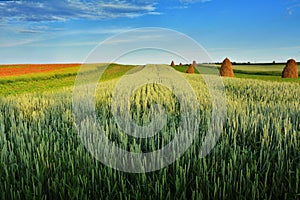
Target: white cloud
{"type": "Point", "coordinates": [62, 10]}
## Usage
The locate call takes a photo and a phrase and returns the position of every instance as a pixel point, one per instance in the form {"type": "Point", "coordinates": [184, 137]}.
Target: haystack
{"type": "Point", "coordinates": [226, 68]}
{"type": "Point", "coordinates": [194, 63]}
{"type": "Point", "coordinates": [172, 64]}
{"type": "Point", "coordinates": [290, 70]}
{"type": "Point", "coordinates": [191, 69]}
{"type": "Point", "coordinates": [180, 64]}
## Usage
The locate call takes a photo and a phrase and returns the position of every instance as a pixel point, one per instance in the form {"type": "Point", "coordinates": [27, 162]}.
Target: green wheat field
{"type": "Point", "coordinates": [256, 157]}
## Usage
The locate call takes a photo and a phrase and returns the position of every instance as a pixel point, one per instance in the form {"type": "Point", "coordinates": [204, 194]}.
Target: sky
{"type": "Point", "coordinates": [67, 31]}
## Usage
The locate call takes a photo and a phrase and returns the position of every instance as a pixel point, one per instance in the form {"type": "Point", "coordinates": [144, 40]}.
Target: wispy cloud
{"type": "Point", "coordinates": [41, 10]}
{"type": "Point", "coordinates": [36, 11]}
{"type": "Point", "coordinates": [135, 39]}
{"type": "Point", "coordinates": [291, 9]}
{"type": "Point", "coordinates": [17, 43]}
{"type": "Point", "coordinates": [21, 34]}
{"type": "Point", "coordinates": [43, 38]}
{"type": "Point", "coordinates": [28, 30]}
{"type": "Point", "coordinates": [193, 1]}
{"type": "Point", "coordinates": [222, 49]}
{"type": "Point", "coordinates": [95, 31]}
{"type": "Point", "coordinates": [178, 7]}
{"type": "Point", "coordinates": [64, 44]}
{"type": "Point", "coordinates": [185, 4]}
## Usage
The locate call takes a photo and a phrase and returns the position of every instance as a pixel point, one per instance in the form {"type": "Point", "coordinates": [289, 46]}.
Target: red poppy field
{"type": "Point", "coordinates": [23, 69]}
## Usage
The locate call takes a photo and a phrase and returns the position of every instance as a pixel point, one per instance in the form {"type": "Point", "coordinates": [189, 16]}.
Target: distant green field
{"type": "Point", "coordinates": [266, 72]}
{"type": "Point", "coordinates": [57, 79]}
{"type": "Point", "coordinates": [261, 68]}
{"type": "Point", "coordinates": [262, 72]}
{"type": "Point", "coordinates": [184, 68]}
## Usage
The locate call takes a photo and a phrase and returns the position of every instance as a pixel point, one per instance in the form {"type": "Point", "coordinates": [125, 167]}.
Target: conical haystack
{"type": "Point", "coordinates": [180, 64]}
{"type": "Point", "coordinates": [226, 68]}
{"type": "Point", "coordinates": [194, 63]}
{"type": "Point", "coordinates": [172, 64]}
{"type": "Point", "coordinates": [290, 70]}
{"type": "Point", "coordinates": [191, 69]}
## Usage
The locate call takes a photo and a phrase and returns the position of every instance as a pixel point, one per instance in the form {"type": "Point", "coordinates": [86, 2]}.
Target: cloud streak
{"type": "Point", "coordinates": [193, 1]}
{"type": "Point", "coordinates": [291, 9]}
{"type": "Point", "coordinates": [37, 11]}
{"type": "Point", "coordinates": [17, 43]}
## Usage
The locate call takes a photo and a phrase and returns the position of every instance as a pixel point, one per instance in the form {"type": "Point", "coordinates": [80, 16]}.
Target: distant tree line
{"type": "Point", "coordinates": [249, 63]}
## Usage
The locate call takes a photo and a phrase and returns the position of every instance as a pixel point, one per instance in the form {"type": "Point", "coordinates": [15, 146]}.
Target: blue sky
{"type": "Point", "coordinates": [67, 31]}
